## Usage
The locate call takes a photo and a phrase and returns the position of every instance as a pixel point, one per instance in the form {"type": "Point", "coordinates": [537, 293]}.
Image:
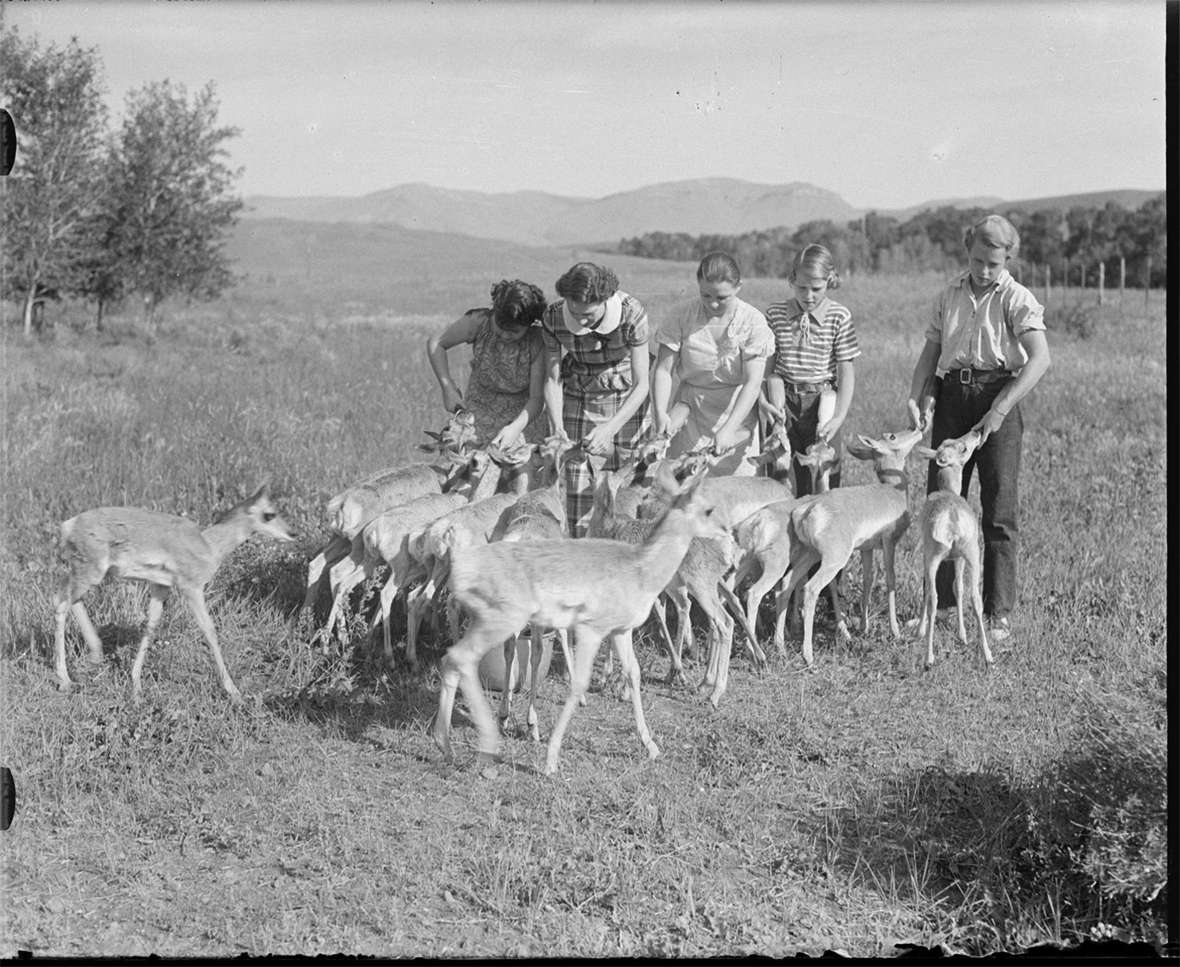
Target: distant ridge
{"type": "Point", "coordinates": [724, 206]}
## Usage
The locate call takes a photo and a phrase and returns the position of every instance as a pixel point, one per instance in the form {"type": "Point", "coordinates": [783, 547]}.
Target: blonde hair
{"type": "Point", "coordinates": [994, 231]}
{"type": "Point", "coordinates": [819, 262]}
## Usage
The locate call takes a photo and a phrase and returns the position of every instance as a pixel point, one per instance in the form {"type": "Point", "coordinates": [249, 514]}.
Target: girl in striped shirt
{"type": "Point", "coordinates": [812, 377]}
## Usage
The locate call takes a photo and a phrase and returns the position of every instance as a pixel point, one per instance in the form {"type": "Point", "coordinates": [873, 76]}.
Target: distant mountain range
{"type": "Point", "coordinates": [725, 206]}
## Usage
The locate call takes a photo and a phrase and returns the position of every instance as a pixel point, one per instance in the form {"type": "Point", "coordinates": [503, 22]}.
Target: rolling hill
{"type": "Point", "coordinates": [702, 206]}
{"type": "Point", "coordinates": [534, 218]}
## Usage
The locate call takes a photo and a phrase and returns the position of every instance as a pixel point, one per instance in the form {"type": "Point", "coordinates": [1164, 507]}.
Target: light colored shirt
{"type": "Point", "coordinates": [808, 345]}
{"type": "Point", "coordinates": [984, 332]}
{"type": "Point", "coordinates": [712, 352]}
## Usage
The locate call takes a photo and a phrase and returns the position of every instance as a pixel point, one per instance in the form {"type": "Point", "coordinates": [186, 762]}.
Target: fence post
{"type": "Point", "coordinates": [1147, 284]}
{"type": "Point", "coordinates": [1122, 277]}
{"type": "Point", "coordinates": [1048, 282]}
{"type": "Point", "coordinates": [1101, 280]}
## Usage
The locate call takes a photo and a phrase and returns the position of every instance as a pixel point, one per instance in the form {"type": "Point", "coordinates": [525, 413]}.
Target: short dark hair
{"type": "Point", "coordinates": [516, 304]}
{"type": "Point", "coordinates": [587, 282]}
{"type": "Point", "coordinates": [719, 267]}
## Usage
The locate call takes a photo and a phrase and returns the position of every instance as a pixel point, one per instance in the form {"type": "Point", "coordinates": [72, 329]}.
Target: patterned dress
{"type": "Point", "coordinates": [596, 378]}
{"type": "Point", "coordinates": [711, 359]}
{"type": "Point", "coordinates": [498, 387]}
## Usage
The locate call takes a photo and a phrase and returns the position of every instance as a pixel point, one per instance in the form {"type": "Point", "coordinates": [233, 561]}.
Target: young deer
{"type": "Point", "coordinates": [355, 506]}
{"type": "Point", "coordinates": [538, 515]}
{"type": "Point", "coordinates": [827, 528]}
{"type": "Point", "coordinates": [950, 532]}
{"type": "Point", "coordinates": [765, 537]}
{"type": "Point", "coordinates": [165, 552]}
{"type": "Point", "coordinates": [539, 524]}
{"type": "Point", "coordinates": [384, 537]}
{"type": "Point", "coordinates": [432, 546]}
{"type": "Point", "coordinates": [705, 575]}
{"type": "Point", "coordinates": [593, 587]}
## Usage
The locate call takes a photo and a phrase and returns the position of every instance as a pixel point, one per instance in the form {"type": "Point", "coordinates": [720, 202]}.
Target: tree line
{"type": "Point", "coordinates": [1079, 240]}
{"type": "Point", "coordinates": [105, 214]}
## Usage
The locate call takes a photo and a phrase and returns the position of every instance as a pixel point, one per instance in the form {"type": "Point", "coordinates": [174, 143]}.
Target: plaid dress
{"type": "Point", "coordinates": [596, 378]}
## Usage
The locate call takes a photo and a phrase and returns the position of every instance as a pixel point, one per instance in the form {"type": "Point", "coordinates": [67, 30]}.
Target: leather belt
{"type": "Point", "coordinates": [969, 377]}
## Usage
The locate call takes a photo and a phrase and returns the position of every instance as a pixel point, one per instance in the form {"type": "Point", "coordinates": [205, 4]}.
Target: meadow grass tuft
{"type": "Point", "coordinates": [862, 806]}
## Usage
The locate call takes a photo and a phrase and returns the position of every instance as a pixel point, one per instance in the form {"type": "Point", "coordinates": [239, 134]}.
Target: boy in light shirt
{"type": "Point", "coordinates": [985, 351]}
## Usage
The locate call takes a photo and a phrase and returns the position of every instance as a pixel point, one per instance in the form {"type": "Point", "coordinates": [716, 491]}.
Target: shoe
{"type": "Point", "coordinates": [998, 629]}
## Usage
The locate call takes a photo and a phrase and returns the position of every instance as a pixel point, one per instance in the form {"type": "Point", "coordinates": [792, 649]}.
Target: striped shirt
{"type": "Point", "coordinates": [984, 332]}
{"type": "Point", "coordinates": [808, 345]}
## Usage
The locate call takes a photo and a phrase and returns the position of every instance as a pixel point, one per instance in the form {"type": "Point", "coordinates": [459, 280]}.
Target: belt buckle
{"type": "Point", "coordinates": [966, 377]}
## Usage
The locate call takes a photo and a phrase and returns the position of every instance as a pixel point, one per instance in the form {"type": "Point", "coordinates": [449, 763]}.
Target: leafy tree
{"type": "Point", "coordinates": [170, 202]}
{"type": "Point", "coordinates": [55, 97]}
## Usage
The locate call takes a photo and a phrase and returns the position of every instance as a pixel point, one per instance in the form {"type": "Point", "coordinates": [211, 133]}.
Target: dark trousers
{"type": "Point", "coordinates": [958, 408]}
{"type": "Point", "coordinates": [802, 423]}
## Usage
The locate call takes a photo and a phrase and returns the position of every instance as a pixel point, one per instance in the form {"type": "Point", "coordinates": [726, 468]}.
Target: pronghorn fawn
{"type": "Point", "coordinates": [765, 537]}
{"type": "Point", "coordinates": [355, 506]}
{"type": "Point", "coordinates": [826, 529]}
{"type": "Point", "coordinates": [950, 532]}
{"type": "Point", "coordinates": [593, 587]}
{"type": "Point", "coordinates": [162, 550]}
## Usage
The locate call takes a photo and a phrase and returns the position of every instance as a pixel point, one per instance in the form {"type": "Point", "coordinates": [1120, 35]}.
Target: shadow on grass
{"type": "Point", "coordinates": [989, 861]}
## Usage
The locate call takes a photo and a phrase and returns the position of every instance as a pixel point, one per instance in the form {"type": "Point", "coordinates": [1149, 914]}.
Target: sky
{"type": "Point", "coordinates": [888, 104]}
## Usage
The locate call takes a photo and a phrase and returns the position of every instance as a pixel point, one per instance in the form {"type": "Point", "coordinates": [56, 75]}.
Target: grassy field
{"type": "Point", "coordinates": [857, 807]}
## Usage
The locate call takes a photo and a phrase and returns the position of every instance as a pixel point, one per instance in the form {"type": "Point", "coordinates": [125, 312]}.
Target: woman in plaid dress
{"type": "Point", "coordinates": [596, 382]}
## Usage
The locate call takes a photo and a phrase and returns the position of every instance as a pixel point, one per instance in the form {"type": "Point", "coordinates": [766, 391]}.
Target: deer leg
{"type": "Point", "coordinates": [586, 645]}
{"type": "Point", "coordinates": [195, 598]}
{"type": "Point", "coordinates": [977, 605]}
{"type": "Point", "coordinates": [678, 595]}
{"type": "Point", "coordinates": [833, 591]}
{"type": "Point", "coordinates": [563, 639]}
{"type": "Point", "coordinates": [888, 552]}
{"type": "Point", "coordinates": [68, 600]}
{"type": "Point", "coordinates": [811, 591]}
{"type": "Point", "coordinates": [734, 605]}
{"type": "Point", "coordinates": [775, 561]}
{"type": "Point", "coordinates": [158, 595]}
{"type": "Point", "coordinates": [536, 653]}
{"type": "Point", "coordinates": [506, 685]}
{"type": "Point", "coordinates": [337, 548]}
{"type": "Point", "coordinates": [960, 587]}
{"type": "Point", "coordinates": [344, 576]}
{"type": "Point", "coordinates": [866, 587]}
{"type": "Point", "coordinates": [416, 603]}
{"type": "Point", "coordinates": [721, 626]}
{"type": "Point", "coordinates": [624, 648]}
{"type": "Point", "coordinates": [659, 609]}
{"type": "Point", "coordinates": [459, 671]}
{"type": "Point", "coordinates": [794, 575]}
{"type": "Point", "coordinates": [389, 591]}
{"type": "Point", "coordinates": [930, 605]}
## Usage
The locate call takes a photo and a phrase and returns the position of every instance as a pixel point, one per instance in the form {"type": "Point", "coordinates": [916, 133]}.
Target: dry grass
{"type": "Point", "coordinates": [859, 806]}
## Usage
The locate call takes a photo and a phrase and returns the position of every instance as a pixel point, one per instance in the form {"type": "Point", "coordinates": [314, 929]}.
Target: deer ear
{"type": "Point", "coordinates": [925, 452]}
{"type": "Point", "coordinates": [865, 452]}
